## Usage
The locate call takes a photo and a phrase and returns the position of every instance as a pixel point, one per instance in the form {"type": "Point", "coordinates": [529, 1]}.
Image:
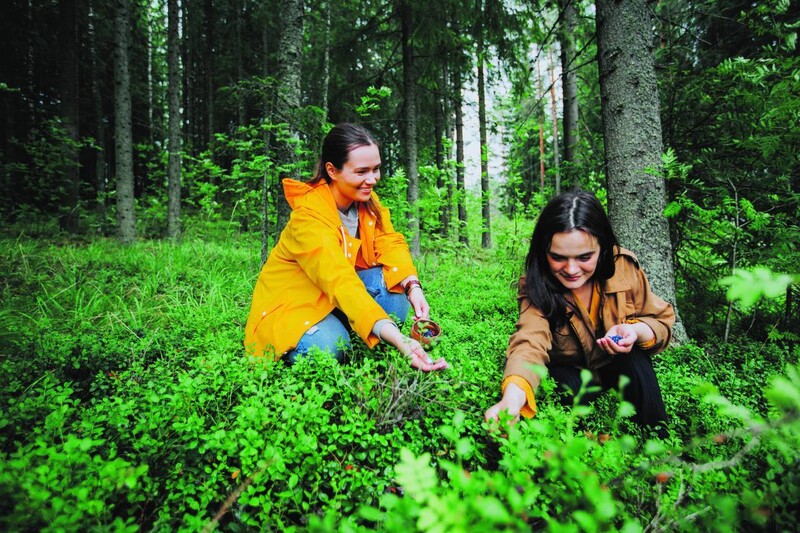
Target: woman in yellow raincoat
{"type": "Point", "coordinates": [338, 265]}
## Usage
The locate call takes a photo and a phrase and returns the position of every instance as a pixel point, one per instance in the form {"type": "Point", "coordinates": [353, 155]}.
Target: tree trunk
{"type": "Point", "coordinates": [209, 65]}
{"type": "Point", "coordinates": [446, 153]}
{"type": "Point", "coordinates": [541, 126]}
{"type": "Point", "coordinates": [100, 164]}
{"type": "Point", "coordinates": [461, 192]}
{"type": "Point", "coordinates": [486, 230]}
{"type": "Point", "coordinates": [554, 120]}
{"type": "Point", "coordinates": [239, 13]}
{"type": "Point", "coordinates": [410, 130]}
{"type": "Point", "coordinates": [174, 140]}
{"type": "Point", "coordinates": [148, 38]}
{"type": "Point", "coordinates": [326, 65]}
{"type": "Point", "coordinates": [288, 100]}
{"type": "Point", "coordinates": [68, 18]}
{"type": "Point", "coordinates": [438, 134]}
{"type": "Point", "coordinates": [266, 184]}
{"type": "Point", "coordinates": [569, 81]}
{"type": "Point", "coordinates": [126, 215]}
{"type": "Point", "coordinates": [188, 75]}
{"type": "Point", "coordinates": [632, 132]}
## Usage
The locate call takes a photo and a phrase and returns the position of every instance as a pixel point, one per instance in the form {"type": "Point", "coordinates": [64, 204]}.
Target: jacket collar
{"type": "Point", "coordinates": [618, 283]}
{"type": "Point", "coordinates": [318, 198]}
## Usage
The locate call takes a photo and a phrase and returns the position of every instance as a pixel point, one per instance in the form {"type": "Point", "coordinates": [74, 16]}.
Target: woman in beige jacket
{"type": "Point", "coordinates": [584, 304]}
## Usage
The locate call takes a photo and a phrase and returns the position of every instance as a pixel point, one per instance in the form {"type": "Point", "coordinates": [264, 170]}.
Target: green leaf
{"type": "Point", "coordinates": [416, 474]}
{"type": "Point", "coordinates": [492, 509]}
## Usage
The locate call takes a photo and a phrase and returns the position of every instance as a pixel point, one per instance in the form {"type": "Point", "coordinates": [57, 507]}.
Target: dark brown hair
{"type": "Point", "coordinates": [566, 212]}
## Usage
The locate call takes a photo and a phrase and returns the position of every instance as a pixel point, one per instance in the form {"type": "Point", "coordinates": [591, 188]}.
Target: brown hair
{"type": "Point", "coordinates": [336, 147]}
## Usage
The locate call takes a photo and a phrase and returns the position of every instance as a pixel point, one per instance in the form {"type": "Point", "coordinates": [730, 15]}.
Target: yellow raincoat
{"type": "Point", "coordinates": [312, 270]}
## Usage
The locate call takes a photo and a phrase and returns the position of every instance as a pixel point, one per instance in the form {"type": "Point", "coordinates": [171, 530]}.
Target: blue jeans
{"type": "Point", "coordinates": [332, 333]}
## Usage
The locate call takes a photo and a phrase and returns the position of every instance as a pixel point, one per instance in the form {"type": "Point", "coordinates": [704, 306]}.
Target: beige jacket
{"type": "Point", "coordinates": [625, 296]}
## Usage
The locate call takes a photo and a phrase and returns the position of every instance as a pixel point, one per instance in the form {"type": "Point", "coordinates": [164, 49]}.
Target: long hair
{"type": "Point", "coordinates": [566, 212]}
{"type": "Point", "coordinates": [336, 147]}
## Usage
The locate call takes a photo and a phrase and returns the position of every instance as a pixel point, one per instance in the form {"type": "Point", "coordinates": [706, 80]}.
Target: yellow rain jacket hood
{"type": "Point", "coordinates": [312, 270]}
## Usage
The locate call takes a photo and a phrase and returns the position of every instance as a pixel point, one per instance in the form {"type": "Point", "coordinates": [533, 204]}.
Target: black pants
{"type": "Point", "coordinates": [642, 391]}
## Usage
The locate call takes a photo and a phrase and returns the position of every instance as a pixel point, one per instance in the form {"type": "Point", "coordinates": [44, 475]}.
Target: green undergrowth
{"type": "Point", "coordinates": [128, 403]}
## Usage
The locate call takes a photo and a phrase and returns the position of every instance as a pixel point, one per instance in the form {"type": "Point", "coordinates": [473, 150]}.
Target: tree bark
{"type": "Point", "coordinates": [287, 101]}
{"type": "Point", "coordinates": [541, 126]}
{"type": "Point", "coordinates": [410, 130]}
{"type": "Point", "coordinates": [632, 132]}
{"type": "Point", "coordinates": [267, 190]}
{"type": "Point", "coordinates": [554, 121]}
{"type": "Point", "coordinates": [326, 65]}
{"type": "Point", "coordinates": [239, 13]}
{"type": "Point", "coordinates": [68, 18]}
{"type": "Point", "coordinates": [209, 66]}
{"type": "Point", "coordinates": [447, 127]}
{"type": "Point", "coordinates": [174, 140]}
{"type": "Point", "coordinates": [461, 195]}
{"type": "Point", "coordinates": [126, 215]}
{"type": "Point", "coordinates": [569, 81]}
{"type": "Point", "coordinates": [438, 134]}
{"type": "Point", "coordinates": [486, 214]}
{"type": "Point", "coordinates": [100, 164]}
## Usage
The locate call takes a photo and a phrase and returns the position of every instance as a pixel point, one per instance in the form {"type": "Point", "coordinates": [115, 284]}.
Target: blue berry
{"type": "Point", "coordinates": [616, 338]}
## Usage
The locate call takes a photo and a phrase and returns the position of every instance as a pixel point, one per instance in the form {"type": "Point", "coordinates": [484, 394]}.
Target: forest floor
{"type": "Point", "coordinates": [128, 402]}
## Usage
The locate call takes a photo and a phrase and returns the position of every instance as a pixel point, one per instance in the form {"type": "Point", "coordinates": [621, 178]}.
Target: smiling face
{"type": "Point", "coordinates": [355, 180]}
{"type": "Point", "coordinates": [572, 258]}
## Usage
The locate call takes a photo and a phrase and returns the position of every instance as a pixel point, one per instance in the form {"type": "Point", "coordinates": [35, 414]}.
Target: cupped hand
{"type": "Point", "coordinates": [420, 358]}
{"type": "Point", "coordinates": [627, 338]}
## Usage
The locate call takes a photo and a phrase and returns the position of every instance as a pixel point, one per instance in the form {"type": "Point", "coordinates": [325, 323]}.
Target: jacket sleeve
{"type": "Point", "coordinates": [391, 251]}
{"type": "Point", "coordinates": [653, 311]}
{"type": "Point", "coordinates": [529, 345]}
{"type": "Point", "coordinates": [318, 251]}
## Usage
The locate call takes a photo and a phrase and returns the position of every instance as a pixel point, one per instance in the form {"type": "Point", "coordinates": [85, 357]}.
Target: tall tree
{"type": "Point", "coordinates": [286, 103]}
{"type": "Point", "coordinates": [410, 124]}
{"type": "Point", "coordinates": [100, 163]}
{"type": "Point", "coordinates": [209, 64]}
{"type": "Point", "coordinates": [554, 120]}
{"type": "Point", "coordinates": [486, 211]}
{"type": "Point", "coordinates": [68, 19]}
{"type": "Point", "coordinates": [440, 129]}
{"type": "Point", "coordinates": [458, 105]}
{"type": "Point", "coordinates": [126, 214]}
{"type": "Point", "coordinates": [569, 79]}
{"type": "Point", "coordinates": [174, 130]}
{"type": "Point", "coordinates": [633, 144]}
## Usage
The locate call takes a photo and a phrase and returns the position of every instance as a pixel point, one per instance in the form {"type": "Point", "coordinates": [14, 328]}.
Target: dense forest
{"type": "Point", "coordinates": [142, 147]}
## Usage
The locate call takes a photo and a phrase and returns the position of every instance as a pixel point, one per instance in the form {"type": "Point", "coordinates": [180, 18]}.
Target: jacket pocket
{"type": "Point", "coordinates": [271, 310]}
{"type": "Point", "coordinates": [566, 351]}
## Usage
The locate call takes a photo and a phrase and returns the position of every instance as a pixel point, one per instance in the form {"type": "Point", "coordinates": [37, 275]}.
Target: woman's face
{"type": "Point", "coordinates": [355, 180]}
{"type": "Point", "coordinates": [572, 257]}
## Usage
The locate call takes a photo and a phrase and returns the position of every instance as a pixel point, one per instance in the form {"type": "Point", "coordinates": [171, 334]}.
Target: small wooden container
{"type": "Point", "coordinates": [426, 332]}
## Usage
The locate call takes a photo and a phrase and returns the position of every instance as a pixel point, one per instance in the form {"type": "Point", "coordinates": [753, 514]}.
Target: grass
{"type": "Point", "coordinates": [130, 404]}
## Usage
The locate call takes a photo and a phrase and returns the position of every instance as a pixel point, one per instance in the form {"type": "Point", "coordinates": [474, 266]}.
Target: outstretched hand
{"type": "Point", "coordinates": [512, 402]}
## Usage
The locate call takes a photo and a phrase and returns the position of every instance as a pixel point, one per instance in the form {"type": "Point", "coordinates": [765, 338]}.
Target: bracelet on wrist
{"type": "Point", "coordinates": [411, 284]}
